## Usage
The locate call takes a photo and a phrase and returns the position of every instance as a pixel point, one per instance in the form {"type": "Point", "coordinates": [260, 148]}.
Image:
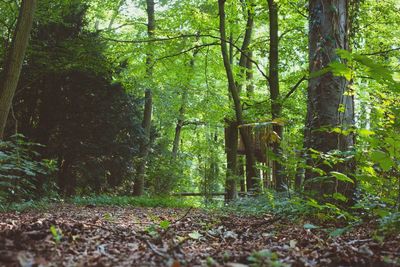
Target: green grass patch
{"type": "Point", "coordinates": [144, 201]}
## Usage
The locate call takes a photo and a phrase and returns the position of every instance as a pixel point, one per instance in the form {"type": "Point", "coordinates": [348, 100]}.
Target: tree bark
{"type": "Point", "coordinates": [249, 76]}
{"type": "Point", "coordinates": [328, 105]}
{"type": "Point", "coordinates": [14, 60]}
{"type": "Point", "coordinates": [252, 175]}
{"type": "Point", "coordinates": [276, 104]}
{"type": "Point", "coordinates": [179, 123]}
{"type": "Point", "coordinates": [231, 146]}
{"type": "Point", "coordinates": [234, 92]}
{"type": "Point", "coordinates": [138, 188]}
{"type": "Point", "coordinates": [241, 174]}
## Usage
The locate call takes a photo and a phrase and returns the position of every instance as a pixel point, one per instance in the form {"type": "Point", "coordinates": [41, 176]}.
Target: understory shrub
{"type": "Point", "coordinates": [23, 175]}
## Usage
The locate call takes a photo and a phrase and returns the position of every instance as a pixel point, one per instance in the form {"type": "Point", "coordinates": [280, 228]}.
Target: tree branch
{"type": "Point", "coordinates": [185, 51]}
{"type": "Point", "coordinates": [163, 39]}
{"type": "Point", "coordinates": [294, 88]}
{"type": "Point", "coordinates": [381, 52]}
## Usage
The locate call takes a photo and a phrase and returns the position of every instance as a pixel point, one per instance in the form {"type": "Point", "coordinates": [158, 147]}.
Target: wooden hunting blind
{"type": "Point", "coordinates": [263, 137]}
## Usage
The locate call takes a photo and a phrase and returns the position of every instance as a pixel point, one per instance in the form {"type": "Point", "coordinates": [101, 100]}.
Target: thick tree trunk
{"type": "Point", "coordinates": [276, 105]}
{"type": "Point", "coordinates": [249, 76]}
{"type": "Point", "coordinates": [234, 92]}
{"type": "Point", "coordinates": [241, 174]}
{"type": "Point", "coordinates": [328, 105]}
{"type": "Point", "coordinates": [138, 187]}
{"type": "Point", "coordinates": [14, 60]}
{"type": "Point", "coordinates": [252, 176]}
{"type": "Point", "coordinates": [251, 173]}
{"type": "Point", "coordinates": [231, 146]}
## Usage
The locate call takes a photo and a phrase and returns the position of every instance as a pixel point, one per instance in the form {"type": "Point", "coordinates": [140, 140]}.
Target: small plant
{"type": "Point", "coordinates": [390, 224]}
{"type": "Point", "coordinates": [265, 258]}
{"type": "Point", "coordinates": [56, 233]}
{"type": "Point", "coordinates": [22, 173]}
{"type": "Point", "coordinates": [165, 224]}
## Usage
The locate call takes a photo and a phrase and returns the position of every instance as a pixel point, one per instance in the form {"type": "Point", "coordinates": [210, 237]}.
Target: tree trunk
{"type": "Point", "coordinates": [138, 187]}
{"type": "Point", "coordinates": [234, 92]}
{"type": "Point", "coordinates": [179, 124]}
{"type": "Point", "coordinates": [249, 76]}
{"type": "Point", "coordinates": [241, 174]}
{"type": "Point", "coordinates": [182, 110]}
{"type": "Point", "coordinates": [300, 171]}
{"type": "Point", "coordinates": [14, 60]}
{"type": "Point", "coordinates": [276, 105]}
{"type": "Point", "coordinates": [115, 14]}
{"type": "Point", "coordinates": [328, 105]}
{"type": "Point", "coordinates": [252, 176]}
{"type": "Point", "coordinates": [251, 173]}
{"type": "Point", "coordinates": [231, 146]}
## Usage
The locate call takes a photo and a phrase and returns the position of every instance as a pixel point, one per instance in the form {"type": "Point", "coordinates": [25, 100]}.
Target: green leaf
{"type": "Point", "coordinates": [340, 69]}
{"type": "Point", "coordinates": [342, 177]}
{"type": "Point", "coordinates": [340, 197]}
{"type": "Point", "coordinates": [310, 226]}
{"type": "Point", "coordinates": [383, 159]}
{"type": "Point", "coordinates": [195, 235]}
{"type": "Point", "coordinates": [338, 232]}
{"type": "Point", "coordinates": [165, 224]}
{"type": "Point", "coordinates": [396, 77]}
{"type": "Point", "coordinates": [319, 73]}
{"type": "Point", "coordinates": [344, 54]}
{"type": "Point", "coordinates": [57, 235]}
{"type": "Point", "coordinates": [365, 132]}
{"type": "Point", "coordinates": [314, 203]}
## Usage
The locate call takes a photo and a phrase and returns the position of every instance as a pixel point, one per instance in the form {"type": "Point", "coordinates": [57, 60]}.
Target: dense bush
{"type": "Point", "coordinates": [67, 100]}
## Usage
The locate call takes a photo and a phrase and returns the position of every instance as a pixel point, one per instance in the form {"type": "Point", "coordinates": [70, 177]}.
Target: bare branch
{"type": "Point", "coordinates": [163, 39]}
{"type": "Point", "coordinates": [187, 50]}
{"type": "Point", "coordinates": [294, 88]}
{"type": "Point", "coordinates": [381, 52]}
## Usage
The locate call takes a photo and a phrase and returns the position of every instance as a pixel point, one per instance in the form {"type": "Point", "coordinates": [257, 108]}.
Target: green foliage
{"type": "Point", "coordinates": [56, 233]}
{"type": "Point", "coordinates": [109, 200]}
{"type": "Point", "coordinates": [165, 172]}
{"type": "Point", "coordinates": [22, 176]}
{"type": "Point", "coordinates": [264, 258]}
{"type": "Point", "coordinates": [41, 204]}
{"type": "Point", "coordinates": [390, 224]}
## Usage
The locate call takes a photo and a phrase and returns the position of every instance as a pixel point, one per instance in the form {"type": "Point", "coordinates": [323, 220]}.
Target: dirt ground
{"type": "Point", "coordinates": [68, 235]}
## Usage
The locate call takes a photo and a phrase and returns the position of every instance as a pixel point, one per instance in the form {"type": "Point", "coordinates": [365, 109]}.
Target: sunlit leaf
{"type": "Point", "coordinates": [342, 177]}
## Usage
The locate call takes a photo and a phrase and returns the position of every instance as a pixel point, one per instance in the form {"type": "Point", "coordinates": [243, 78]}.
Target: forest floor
{"type": "Point", "coordinates": [69, 235]}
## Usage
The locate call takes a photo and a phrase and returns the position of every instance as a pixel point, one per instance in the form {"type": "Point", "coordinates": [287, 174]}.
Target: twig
{"type": "Point", "coordinates": [176, 221]}
{"type": "Point", "coordinates": [270, 221]}
{"type": "Point", "coordinates": [184, 215]}
{"type": "Point", "coordinates": [359, 241]}
{"type": "Point", "coordinates": [99, 226]}
{"type": "Point", "coordinates": [185, 51]}
{"type": "Point", "coordinates": [155, 250]}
